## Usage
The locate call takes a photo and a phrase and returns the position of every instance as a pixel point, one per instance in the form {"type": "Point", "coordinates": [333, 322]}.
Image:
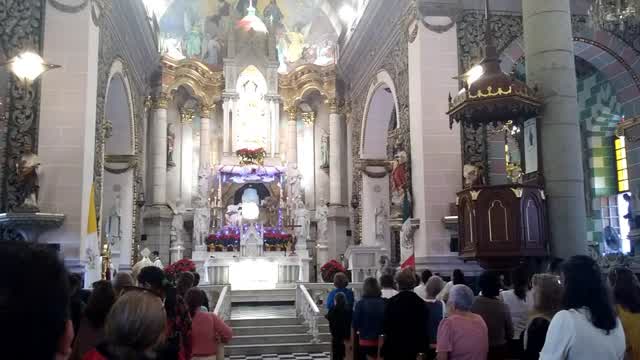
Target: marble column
{"type": "Point", "coordinates": [336, 154]}
{"type": "Point", "coordinates": [186, 176]}
{"type": "Point", "coordinates": [292, 136]}
{"type": "Point", "coordinates": [226, 131]}
{"type": "Point", "coordinates": [205, 136]}
{"type": "Point", "coordinates": [551, 66]}
{"type": "Point", "coordinates": [158, 149]}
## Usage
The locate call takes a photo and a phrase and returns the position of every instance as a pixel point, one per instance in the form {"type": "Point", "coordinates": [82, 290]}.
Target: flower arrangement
{"type": "Point", "coordinates": [184, 265]}
{"type": "Point", "coordinates": [228, 239]}
{"type": "Point", "coordinates": [251, 156]}
{"type": "Point", "coordinates": [331, 268]}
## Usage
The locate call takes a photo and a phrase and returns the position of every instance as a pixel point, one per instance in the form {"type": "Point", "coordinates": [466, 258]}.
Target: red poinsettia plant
{"type": "Point", "coordinates": [251, 156]}
{"type": "Point", "coordinates": [184, 265]}
{"type": "Point", "coordinates": [331, 268]}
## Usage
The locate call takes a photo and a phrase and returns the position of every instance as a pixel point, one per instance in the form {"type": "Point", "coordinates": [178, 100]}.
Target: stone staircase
{"type": "Point", "coordinates": [265, 322]}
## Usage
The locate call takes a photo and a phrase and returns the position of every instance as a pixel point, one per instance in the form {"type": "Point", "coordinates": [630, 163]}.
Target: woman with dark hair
{"type": "Point", "coordinates": [519, 307]}
{"type": "Point", "coordinates": [588, 327]}
{"type": "Point", "coordinates": [134, 328]}
{"type": "Point", "coordinates": [368, 318]}
{"type": "Point", "coordinates": [339, 317]}
{"type": "Point", "coordinates": [458, 277]}
{"type": "Point", "coordinates": [626, 293]}
{"type": "Point", "coordinates": [178, 343]}
{"type": "Point", "coordinates": [340, 281]}
{"type": "Point", "coordinates": [388, 286]}
{"type": "Point", "coordinates": [91, 331]}
{"type": "Point", "coordinates": [207, 329]}
{"type": "Point", "coordinates": [495, 314]}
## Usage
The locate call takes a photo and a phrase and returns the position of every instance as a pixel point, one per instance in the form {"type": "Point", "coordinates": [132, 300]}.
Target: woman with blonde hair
{"type": "Point", "coordinates": [135, 327]}
{"type": "Point", "coordinates": [547, 301]}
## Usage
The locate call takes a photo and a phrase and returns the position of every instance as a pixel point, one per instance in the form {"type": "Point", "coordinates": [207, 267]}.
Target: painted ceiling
{"type": "Point", "coordinates": [306, 31]}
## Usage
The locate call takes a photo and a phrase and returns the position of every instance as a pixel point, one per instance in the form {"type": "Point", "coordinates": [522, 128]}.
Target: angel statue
{"type": "Point", "coordinates": [322, 213]}
{"type": "Point", "coordinates": [27, 180]}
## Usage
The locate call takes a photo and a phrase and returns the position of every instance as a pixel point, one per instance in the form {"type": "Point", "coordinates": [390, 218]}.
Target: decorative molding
{"type": "Point", "coordinates": [69, 8]}
{"type": "Point", "coordinates": [298, 83]}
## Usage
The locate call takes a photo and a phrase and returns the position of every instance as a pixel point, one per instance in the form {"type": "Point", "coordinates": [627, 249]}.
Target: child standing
{"type": "Point", "coordinates": [340, 326]}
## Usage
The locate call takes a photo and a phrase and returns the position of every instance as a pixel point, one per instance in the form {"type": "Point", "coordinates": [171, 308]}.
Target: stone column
{"type": "Point", "coordinates": [550, 65]}
{"type": "Point", "coordinates": [292, 136]}
{"type": "Point", "coordinates": [274, 111]}
{"type": "Point", "coordinates": [336, 154]}
{"type": "Point", "coordinates": [186, 184]}
{"type": "Point", "coordinates": [205, 136]}
{"type": "Point", "coordinates": [158, 149]}
{"type": "Point", "coordinates": [226, 131]}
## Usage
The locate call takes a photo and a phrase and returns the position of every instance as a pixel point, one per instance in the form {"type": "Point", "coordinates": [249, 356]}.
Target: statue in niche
{"type": "Point", "coordinates": [400, 197]}
{"type": "Point", "coordinates": [193, 43]}
{"type": "Point", "coordinates": [177, 224]}
{"type": "Point", "coordinates": [324, 150]}
{"type": "Point", "coordinates": [203, 186]}
{"type": "Point", "coordinates": [322, 214]}
{"type": "Point", "coordinates": [27, 181]}
{"type": "Point", "coordinates": [171, 144]}
{"type": "Point", "coordinates": [232, 215]}
{"type": "Point", "coordinates": [382, 220]}
{"type": "Point", "coordinates": [211, 51]}
{"type": "Point", "coordinates": [302, 221]}
{"type": "Point", "coordinates": [294, 180]}
{"type": "Point", "coordinates": [273, 15]}
{"type": "Point", "coordinates": [114, 225]}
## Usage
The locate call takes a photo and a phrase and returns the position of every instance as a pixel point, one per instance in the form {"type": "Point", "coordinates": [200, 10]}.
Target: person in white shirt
{"type": "Point", "coordinates": [421, 290]}
{"type": "Point", "coordinates": [588, 327]}
{"type": "Point", "coordinates": [457, 278]}
{"type": "Point", "coordinates": [387, 283]}
{"type": "Point", "coordinates": [519, 302]}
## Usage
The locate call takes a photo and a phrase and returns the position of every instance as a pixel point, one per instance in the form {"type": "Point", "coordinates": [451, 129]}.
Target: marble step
{"type": "Point", "coordinates": [272, 339]}
{"type": "Point", "coordinates": [264, 322]}
{"type": "Point", "coordinates": [278, 329]}
{"type": "Point", "coordinates": [263, 296]}
{"type": "Point", "coordinates": [285, 348]}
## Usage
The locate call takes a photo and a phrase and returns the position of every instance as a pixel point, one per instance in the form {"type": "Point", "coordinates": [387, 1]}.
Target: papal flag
{"type": "Point", "coordinates": [92, 257]}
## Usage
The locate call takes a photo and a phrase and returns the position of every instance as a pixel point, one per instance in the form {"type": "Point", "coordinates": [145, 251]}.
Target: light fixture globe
{"type": "Point", "coordinates": [28, 66]}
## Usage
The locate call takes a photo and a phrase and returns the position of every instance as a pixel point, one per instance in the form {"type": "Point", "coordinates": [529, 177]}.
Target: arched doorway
{"type": "Point", "coordinates": [117, 211]}
{"type": "Point", "coordinates": [380, 118]}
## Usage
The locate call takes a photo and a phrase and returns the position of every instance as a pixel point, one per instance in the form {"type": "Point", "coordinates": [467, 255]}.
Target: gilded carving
{"type": "Point", "coordinates": [186, 116]}
{"type": "Point", "coordinates": [298, 83]}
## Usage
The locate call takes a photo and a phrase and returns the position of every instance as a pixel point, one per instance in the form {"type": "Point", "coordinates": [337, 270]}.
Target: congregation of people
{"type": "Point", "coordinates": [575, 313]}
{"type": "Point", "coordinates": [572, 313]}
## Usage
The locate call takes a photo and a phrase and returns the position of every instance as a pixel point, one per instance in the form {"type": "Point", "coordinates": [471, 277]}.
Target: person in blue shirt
{"type": "Point", "coordinates": [368, 319]}
{"type": "Point", "coordinates": [340, 281]}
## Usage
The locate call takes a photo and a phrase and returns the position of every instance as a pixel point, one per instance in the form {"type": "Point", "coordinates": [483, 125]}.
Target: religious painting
{"type": "Point", "coordinates": [530, 146]}
{"type": "Point", "coordinates": [199, 29]}
{"type": "Point", "coordinates": [252, 128]}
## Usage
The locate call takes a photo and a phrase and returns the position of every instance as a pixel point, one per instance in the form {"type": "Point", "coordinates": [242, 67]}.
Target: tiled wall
{"type": "Point", "coordinates": [600, 111]}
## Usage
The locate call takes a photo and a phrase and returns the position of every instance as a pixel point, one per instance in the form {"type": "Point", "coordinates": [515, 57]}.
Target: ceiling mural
{"type": "Point", "coordinates": [200, 29]}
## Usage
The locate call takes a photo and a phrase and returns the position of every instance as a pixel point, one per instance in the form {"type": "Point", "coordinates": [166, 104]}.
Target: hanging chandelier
{"type": "Point", "coordinates": [615, 14]}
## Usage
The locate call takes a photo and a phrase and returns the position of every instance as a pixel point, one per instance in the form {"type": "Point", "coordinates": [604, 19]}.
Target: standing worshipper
{"type": "Point", "coordinates": [626, 293]}
{"type": "Point", "coordinates": [495, 314]}
{"type": "Point", "coordinates": [388, 286]}
{"type": "Point", "coordinates": [421, 289]}
{"type": "Point", "coordinates": [457, 278]}
{"type": "Point", "coordinates": [519, 303]}
{"type": "Point", "coordinates": [208, 330]}
{"type": "Point", "coordinates": [368, 320]}
{"type": "Point", "coordinates": [462, 335]}
{"type": "Point", "coordinates": [340, 281]}
{"type": "Point", "coordinates": [121, 281]}
{"type": "Point", "coordinates": [436, 308]}
{"type": "Point", "coordinates": [91, 332]}
{"type": "Point", "coordinates": [547, 301]}
{"type": "Point", "coordinates": [405, 322]}
{"type": "Point", "coordinates": [588, 327]}
{"type": "Point", "coordinates": [340, 326]}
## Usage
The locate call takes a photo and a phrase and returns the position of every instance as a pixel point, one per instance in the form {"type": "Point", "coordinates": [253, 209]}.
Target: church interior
{"type": "Point", "coordinates": [268, 140]}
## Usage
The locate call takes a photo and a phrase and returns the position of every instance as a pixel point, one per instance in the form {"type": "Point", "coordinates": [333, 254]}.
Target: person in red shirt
{"type": "Point", "coordinates": [134, 329]}
{"type": "Point", "coordinates": [207, 329]}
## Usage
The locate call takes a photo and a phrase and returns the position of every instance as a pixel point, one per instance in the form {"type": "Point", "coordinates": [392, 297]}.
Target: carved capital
{"type": "Point", "coordinates": [308, 118]}
{"type": "Point", "coordinates": [160, 101]}
{"type": "Point", "coordinates": [334, 104]}
{"type": "Point", "coordinates": [186, 116]}
{"type": "Point", "coordinates": [205, 111]}
{"type": "Point", "coordinates": [293, 112]}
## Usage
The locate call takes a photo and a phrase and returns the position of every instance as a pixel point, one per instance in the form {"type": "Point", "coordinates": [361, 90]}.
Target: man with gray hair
{"type": "Point", "coordinates": [405, 321]}
{"type": "Point", "coordinates": [462, 334]}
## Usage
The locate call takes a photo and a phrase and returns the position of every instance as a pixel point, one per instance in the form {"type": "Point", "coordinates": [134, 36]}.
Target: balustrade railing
{"type": "Point", "coordinates": [308, 310]}
{"type": "Point", "coordinates": [223, 306]}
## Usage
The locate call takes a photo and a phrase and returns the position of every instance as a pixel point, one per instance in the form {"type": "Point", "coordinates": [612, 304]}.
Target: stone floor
{"type": "Point", "coordinates": [322, 356]}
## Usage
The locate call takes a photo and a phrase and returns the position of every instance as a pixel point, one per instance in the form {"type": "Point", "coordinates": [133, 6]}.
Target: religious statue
{"type": "Point", "coordinates": [232, 216]}
{"type": "Point", "coordinates": [273, 15]}
{"type": "Point", "coordinates": [294, 180]}
{"type": "Point", "coordinates": [271, 205]}
{"type": "Point", "coordinates": [171, 144]}
{"type": "Point", "coordinates": [381, 222]}
{"type": "Point", "coordinates": [322, 214]}
{"type": "Point", "coordinates": [302, 222]}
{"type": "Point", "coordinates": [242, 6]}
{"type": "Point", "coordinates": [473, 175]}
{"type": "Point", "coordinates": [211, 53]}
{"type": "Point", "coordinates": [201, 221]}
{"type": "Point", "coordinates": [203, 186]}
{"type": "Point", "coordinates": [27, 181]}
{"type": "Point", "coordinates": [193, 42]}
{"type": "Point", "coordinates": [324, 151]}
{"type": "Point", "coordinates": [107, 127]}
{"type": "Point", "coordinates": [400, 201]}
{"type": "Point", "coordinates": [177, 224]}
{"type": "Point", "coordinates": [114, 231]}
{"type": "Point", "coordinates": [406, 241]}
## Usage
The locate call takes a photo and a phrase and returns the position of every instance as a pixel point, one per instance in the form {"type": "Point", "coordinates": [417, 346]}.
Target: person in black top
{"type": "Point", "coordinates": [405, 323]}
{"type": "Point", "coordinates": [340, 326]}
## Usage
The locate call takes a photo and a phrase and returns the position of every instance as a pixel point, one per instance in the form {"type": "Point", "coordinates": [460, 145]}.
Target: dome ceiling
{"type": "Point", "coordinates": [306, 31]}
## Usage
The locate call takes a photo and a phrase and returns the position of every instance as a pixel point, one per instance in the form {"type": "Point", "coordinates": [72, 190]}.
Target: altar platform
{"type": "Point", "coordinates": [271, 270]}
